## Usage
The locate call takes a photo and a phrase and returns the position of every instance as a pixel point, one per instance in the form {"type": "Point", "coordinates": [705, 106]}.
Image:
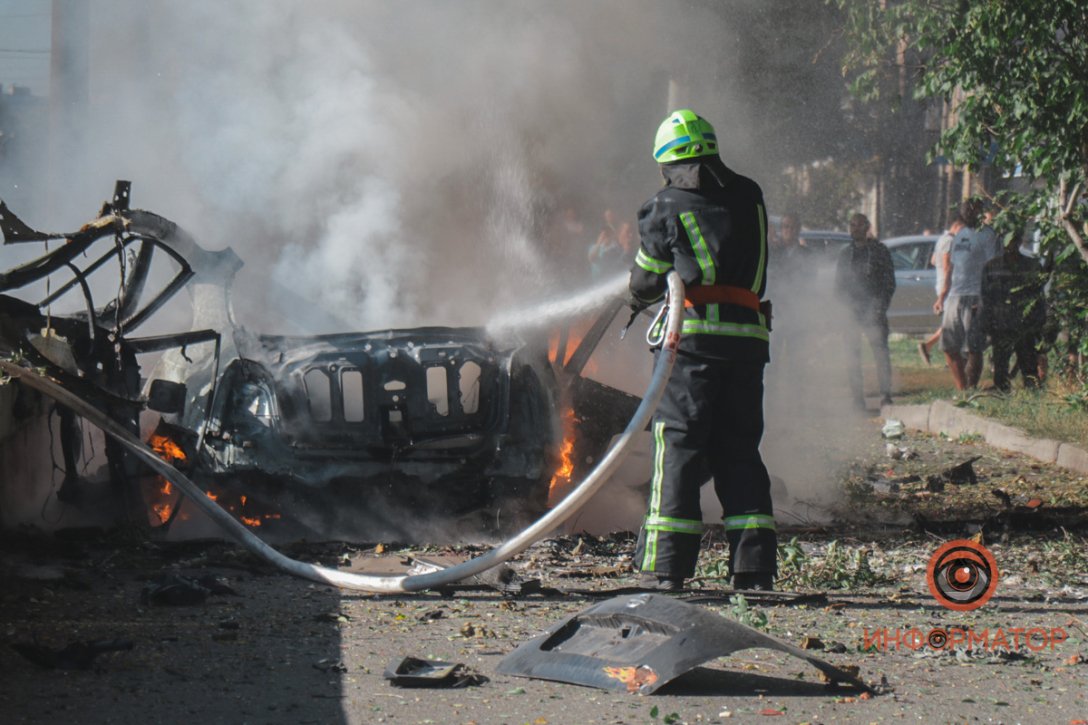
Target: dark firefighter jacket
{"type": "Point", "coordinates": [710, 224]}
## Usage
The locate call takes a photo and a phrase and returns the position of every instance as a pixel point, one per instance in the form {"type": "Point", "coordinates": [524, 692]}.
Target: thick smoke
{"type": "Point", "coordinates": [396, 164]}
{"type": "Point", "coordinates": [400, 164]}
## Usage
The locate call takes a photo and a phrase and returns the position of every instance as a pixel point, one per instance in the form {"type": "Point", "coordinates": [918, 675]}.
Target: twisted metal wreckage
{"type": "Point", "coordinates": [435, 416]}
{"type": "Point", "coordinates": [416, 421]}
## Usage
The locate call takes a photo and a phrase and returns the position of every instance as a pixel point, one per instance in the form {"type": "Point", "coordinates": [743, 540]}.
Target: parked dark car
{"type": "Point", "coordinates": [825, 241]}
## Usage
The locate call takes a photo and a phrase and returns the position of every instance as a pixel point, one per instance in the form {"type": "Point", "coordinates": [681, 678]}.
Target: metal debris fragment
{"type": "Point", "coordinates": [417, 672]}
{"type": "Point", "coordinates": [76, 656]}
{"type": "Point", "coordinates": [638, 643]}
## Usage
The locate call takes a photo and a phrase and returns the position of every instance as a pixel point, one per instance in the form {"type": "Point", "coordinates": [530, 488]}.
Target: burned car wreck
{"type": "Point", "coordinates": [333, 435]}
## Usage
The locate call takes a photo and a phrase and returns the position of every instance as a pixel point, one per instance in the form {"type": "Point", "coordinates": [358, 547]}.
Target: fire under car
{"type": "Point", "coordinates": [353, 434]}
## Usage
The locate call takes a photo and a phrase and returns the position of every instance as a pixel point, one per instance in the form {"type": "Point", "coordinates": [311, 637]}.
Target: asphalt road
{"type": "Point", "coordinates": [282, 650]}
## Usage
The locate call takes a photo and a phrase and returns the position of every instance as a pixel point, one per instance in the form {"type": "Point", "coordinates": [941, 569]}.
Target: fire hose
{"type": "Point", "coordinates": [388, 584]}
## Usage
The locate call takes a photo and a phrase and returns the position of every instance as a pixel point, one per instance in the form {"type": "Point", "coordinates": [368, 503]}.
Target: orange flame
{"type": "Point", "coordinates": [634, 678]}
{"type": "Point", "coordinates": [163, 507]}
{"type": "Point", "coordinates": [166, 449]}
{"type": "Point", "coordinates": [170, 452]}
{"type": "Point", "coordinates": [162, 511]}
{"type": "Point", "coordinates": [559, 486]}
{"type": "Point", "coordinates": [575, 333]}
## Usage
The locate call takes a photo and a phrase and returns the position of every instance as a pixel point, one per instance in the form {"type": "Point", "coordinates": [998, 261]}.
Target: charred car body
{"type": "Point", "coordinates": [342, 433]}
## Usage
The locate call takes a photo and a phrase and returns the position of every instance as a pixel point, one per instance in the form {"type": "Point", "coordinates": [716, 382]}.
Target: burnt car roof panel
{"type": "Point", "coordinates": [640, 642]}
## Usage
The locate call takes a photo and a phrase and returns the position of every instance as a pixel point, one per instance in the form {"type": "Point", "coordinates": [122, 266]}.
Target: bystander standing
{"type": "Point", "coordinates": [939, 259]}
{"type": "Point", "coordinates": [866, 280]}
{"type": "Point", "coordinates": [1013, 313]}
{"type": "Point", "coordinates": [962, 337]}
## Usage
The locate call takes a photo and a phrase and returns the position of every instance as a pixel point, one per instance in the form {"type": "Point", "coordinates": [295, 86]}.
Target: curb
{"type": "Point", "coordinates": [943, 417]}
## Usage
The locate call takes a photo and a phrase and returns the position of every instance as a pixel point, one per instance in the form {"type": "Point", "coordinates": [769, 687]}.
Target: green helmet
{"type": "Point", "coordinates": [684, 135]}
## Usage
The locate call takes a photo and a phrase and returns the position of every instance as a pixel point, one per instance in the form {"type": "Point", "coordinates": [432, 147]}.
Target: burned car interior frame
{"type": "Point", "coordinates": [454, 415]}
{"type": "Point", "coordinates": [123, 313]}
{"type": "Point", "coordinates": [95, 356]}
{"type": "Point", "coordinates": [123, 309]}
{"type": "Point", "coordinates": [396, 400]}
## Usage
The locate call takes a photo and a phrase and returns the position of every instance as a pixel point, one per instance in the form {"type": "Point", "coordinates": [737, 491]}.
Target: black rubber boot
{"type": "Point", "coordinates": [649, 580]}
{"type": "Point", "coordinates": [757, 582]}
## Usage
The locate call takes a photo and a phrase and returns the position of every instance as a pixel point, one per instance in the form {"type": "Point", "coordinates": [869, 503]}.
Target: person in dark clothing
{"type": "Point", "coordinates": [865, 278]}
{"type": "Point", "coordinates": [794, 287]}
{"type": "Point", "coordinates": [1013, 313]}
{"type": "Point", "coordinates": [788, 253]}
{"type": "Point", "coordinates": [710, 225]}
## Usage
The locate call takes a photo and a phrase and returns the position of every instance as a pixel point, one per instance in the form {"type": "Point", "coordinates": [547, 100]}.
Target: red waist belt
{"type": "Point", "coordinates": [717, 294]}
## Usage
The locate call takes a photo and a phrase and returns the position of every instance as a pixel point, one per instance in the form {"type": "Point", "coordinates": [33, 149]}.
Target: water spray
{"type": "Point", "coordinates": [546, 313]}
{"type": "Point", "coordinates": [389, 584]}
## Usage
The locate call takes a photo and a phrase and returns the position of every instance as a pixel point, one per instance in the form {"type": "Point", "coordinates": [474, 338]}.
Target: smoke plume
{"type": "Point", "coordinates": [396, 164]}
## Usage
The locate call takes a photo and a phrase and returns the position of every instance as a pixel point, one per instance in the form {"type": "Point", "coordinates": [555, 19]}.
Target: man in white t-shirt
{"type": "Point", "coordinates": [940, 261]}
{"type": "Point", "coordinates": [962, 336]}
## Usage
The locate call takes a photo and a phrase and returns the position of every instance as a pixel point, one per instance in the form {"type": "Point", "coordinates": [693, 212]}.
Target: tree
{"type": "Point", "coordinates": [1017, 72]}
{"type": "Point", "coordinates": [1015, 75]}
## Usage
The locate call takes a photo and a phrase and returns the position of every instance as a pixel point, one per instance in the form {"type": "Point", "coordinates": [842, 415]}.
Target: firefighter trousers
{"type": "Point", "coordinates": [709, 424]}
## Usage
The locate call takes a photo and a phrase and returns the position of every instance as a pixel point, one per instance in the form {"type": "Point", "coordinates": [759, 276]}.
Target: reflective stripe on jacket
{"type": "Point", "coordinates": [710, 224]}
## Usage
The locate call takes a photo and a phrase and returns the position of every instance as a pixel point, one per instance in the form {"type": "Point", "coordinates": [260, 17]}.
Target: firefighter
{"type": "Point", "coordinates": [710, 224]}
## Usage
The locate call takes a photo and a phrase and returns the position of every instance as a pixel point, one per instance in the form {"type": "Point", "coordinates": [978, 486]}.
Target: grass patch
{"type": "Point", "coordinates": [839, 567]}
{"type": "Point", "coordinates": [1054, 412]}
{"type": "Point", "coordinates": [1044, 413]}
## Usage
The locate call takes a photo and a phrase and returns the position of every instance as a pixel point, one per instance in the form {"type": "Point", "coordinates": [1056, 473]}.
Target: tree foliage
{"type": "Point", "coordinates": [1015, 73]}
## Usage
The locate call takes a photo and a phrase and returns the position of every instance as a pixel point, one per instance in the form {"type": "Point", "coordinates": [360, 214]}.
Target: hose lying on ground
{"type": "Point", "coordinates": [366, 582]}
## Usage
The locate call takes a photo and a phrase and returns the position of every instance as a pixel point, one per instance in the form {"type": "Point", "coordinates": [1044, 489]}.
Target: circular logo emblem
{"type": "Point", "coordinates": [962, 575]}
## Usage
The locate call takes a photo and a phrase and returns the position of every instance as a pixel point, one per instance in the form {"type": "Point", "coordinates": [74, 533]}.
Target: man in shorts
{"type": "Point", "coordinates": [940, 261]}
{"type": "Point", "coordinates": [962, 336]}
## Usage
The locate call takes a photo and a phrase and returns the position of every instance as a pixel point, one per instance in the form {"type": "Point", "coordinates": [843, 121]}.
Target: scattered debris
{"type": "Point", "coordinates": [328, 664]}
{"type": "Point", "coordinates": [812, 643]}
{"type": "Point", "coordinates": [962, 473]}
{"type": "Point", "coordinates": [476, 631]}
{"type": "Point", "coordinates": [885, 487]}
{"type": "Point", "coordinates": [897, 453]}
{"type": "Point", "coordinates": [501, 578]}
{"type": "Point", "coordinates": [416, 672]}
{"type": "Point", "coordinates": [179, 591]}
{"type": "Point", "coordinates": [893, 429]}
{"type": "Point", "coordinates": [76, 656]}
{"type": "Point", "coordinates": [850, 670]}
{"type": "Point", "coordinates": [431, 615]}
{"type": "Point", "coordinates": [174, 591]}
